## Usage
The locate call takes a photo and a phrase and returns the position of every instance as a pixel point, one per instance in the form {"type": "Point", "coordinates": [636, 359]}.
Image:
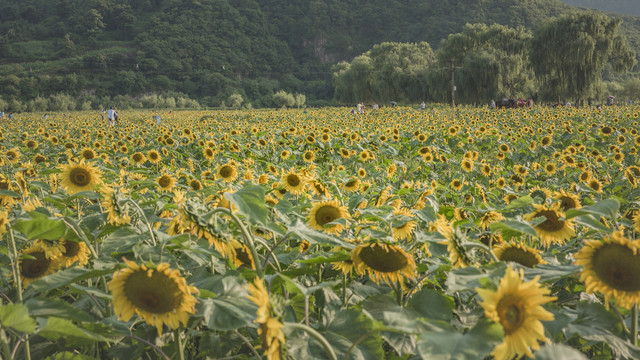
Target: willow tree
{"type": "Point", "coordinates": [389, 71]}
{"type": "Point", "coordinates": [570, 53]}
{"type": "Point", "coordinates": [489, 62]}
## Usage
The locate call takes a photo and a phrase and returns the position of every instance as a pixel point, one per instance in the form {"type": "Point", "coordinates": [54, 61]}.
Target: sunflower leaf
{"type": "Point", "coordinates": [512, 228]}
{"type": "Point", "coordinates": [55, 328]}
{"type": "Point", "coordinates": [250, 202]}
{"type": "Point", "coordinates": [16, 316]}
{"type": "Point", "coordinates": [449, 344]}
{"type": "Point", "coordinates": [606, 208]}
{"type": "Point", "coordinates": [559, 351]}
{"type": "Point", "coordinates": [66, 277]}
{"type": "Point", "coordinates": [41, 227]}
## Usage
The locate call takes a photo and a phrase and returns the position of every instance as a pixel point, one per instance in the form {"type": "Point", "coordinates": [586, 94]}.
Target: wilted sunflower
{"type": "Point", "coordinates": [166, 182]}
{"type": "Point", "coordinates": [4, 221]}
{"type": "Point", "coordinates": [553, 229]}
{"type": "Point", "coordinates": [519, 253]}
{"type": "Point", "coordinates": [195, 184]}
{"type": "Point", "coordinates": [454, 241]}
{"type": "Point", "coordinates": [74, 251]}
{"type": "Point", "coordinates": [270, 329]}
{"type": "Point", "coordinates": [488, 218]}
{"type": "Point", "coordinates": [402, 229]}
{"type": "Point", "coordinates": [294, 182]}
{"type": "Point", "coordinates": [325, 212]}
{"type": "Point", "coordinates": [36, 267]}
{"type": "Point", "coordinates": [116, 205]}
{"type": "Point", "coordinates": [157, 294]}
{"type": "Point", "coordinates": [611, 266]}
{"type": "Point", "coordinates": [516, 305]}
{"type": "Point", "coordinates": [51, 249]}
{"type": "Point", "coordinates": [80, 176]}
{"type": "Point", "coordinates": [227, 172]}
{"type": "Point", "coordinates": [381, 261]}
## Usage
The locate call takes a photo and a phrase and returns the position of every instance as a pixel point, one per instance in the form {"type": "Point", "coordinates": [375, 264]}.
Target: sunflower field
{"type": "Point", "coordinates": [464, 233]}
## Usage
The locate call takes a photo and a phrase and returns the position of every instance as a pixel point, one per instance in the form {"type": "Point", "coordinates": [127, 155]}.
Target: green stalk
{"type": "Point", "coordinates": [313, 333]}
{"type": "Point", "coordinates": [16, 274]}
{"type": "Point", "coordinates": [146, 221]}
{"type": "Point", "coordinates": [248, 239]}
{"type": "Point", "coordinates": [634, 324]}
{"type": "Point", "coordinates": [180, 345]}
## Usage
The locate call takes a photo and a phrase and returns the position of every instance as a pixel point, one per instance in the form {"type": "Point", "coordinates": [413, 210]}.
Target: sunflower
{"type": "Point", "coordinates": [362, 172]}
{"type": "Point", "coordinates": [518, 253]}
{"type": "Point", "coordinates": [489, 218]}
{"type": "Point", "coordinates": [88, 154]}
{"type": "Point", "coordinates": [241, 256]}
{"type": "Point", "coordinates": [74, 251]}
{"type": "Point", "coordinates": [116, 206]}
{"type": "Point", "coordinates": [270, 329]}
{"type": "Point", "coordinates": [516, 305]}
{"type": "Point", "coordinates": [157, 294]}
{"type": "Point", "coordinates": [351, 185]}
{"type": "Point", "coordinates": [595, 185]}
{"type": "Point", "coordinates": [80, 176]}
{"type": "Point", "coordinates": [227, 172]}
{"type": "Point", "coordinates": [294, 182]}
{"type": "Point", "coordinates": [346, 267]}
{"type": "Point", "coordinates": [51, 249]}
{"type": "Point", "coordinates": [403, 229]}
{"type": "Point", "coordinates": [383, 261]}
{"type": "Point", "coordinates": [4, 220]}
{"type": "Point", "coordinates": [154, 157]}
{"type": "Point", "coordinates": [611, 266]}
{"type": "Point", "coordinates": [5, 184]}
{"type": "Point", "coordinates": [391, 170]}
{"type": "Point", "coordinates": [567, 200]}
{"type": "Point", "coordinates": [35, 267]}
{"type": "Point", "coordinates": [456, 184]}
{"type": "Point", "coordinates": [309, 156]}
{"type": "Point", "coordinates": [550, 168]}
{"type": "Point", "coordinates": [467, 165]}
{"type": "Point", "coordinates": [325, 212]}
{"type": "Point", "coordinates": [166, 182]}
{"type": "Point", "coordinates": [454, 240]}
{"type": "Point", "coordinates": [553, 229]}
{"type": "Point", "coordinates": [195, 184]}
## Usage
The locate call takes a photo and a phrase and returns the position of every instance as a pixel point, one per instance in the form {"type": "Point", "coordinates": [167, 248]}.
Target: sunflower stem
{"type": "Point", "coordinates": [344, 290]}
{"type": "Point", "coordinates": [248, 239]}
{"type": "Point", "coordinates": [313, 333]}
{"type": "Point", "coordinates": [146, 221]}
{"type": "Point", "coordinates": [16, 274]}
{"type": "Point", "coordinates": [266, 258]}
{"type": "Point", "coordinates": [180, 345]}
{"type": "Point", "coordinates": [483, 247]}
{"type": "Point", "coordinates": [634, 324]}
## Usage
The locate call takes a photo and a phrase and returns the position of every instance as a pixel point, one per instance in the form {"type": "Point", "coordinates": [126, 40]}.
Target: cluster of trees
{"type": "Point", "coordinates": [66, 102]}
{"type": "Point", "coordinates": [562, 60]}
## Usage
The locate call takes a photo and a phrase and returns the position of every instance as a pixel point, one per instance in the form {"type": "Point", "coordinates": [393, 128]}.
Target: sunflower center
{"type": "Point", "coordinates": [157, 294]}
{"type": "Point", "coordinates": [617, 266]}
{"type": "Point", "coordinates": [34, 268]}
{"type": "Point", "coordinates": [71, 248]}
{"type": "Point", "coordinates": [383, 260]}
{"type": "Point", "coordinates": [519, 256]}
{"type": "Point", "coordinates": [567, 203]}
{"type": "Point", "coordinates": [293, 180]}
{"type": "Point", "coordinates": [226, 171]}
{"type": "Point", "coordinates": [511, 313]}
{"type": "Point", "coordinates": [80, 177]}
{"type": "Point", "coordinates": [552, 222]}
{"type": "Point", "coordinates": [327, 214]}
{"type": "Point", "coordinates": [164, 181]}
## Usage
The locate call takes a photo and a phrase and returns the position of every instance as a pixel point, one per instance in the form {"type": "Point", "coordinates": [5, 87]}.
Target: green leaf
{"type": "Point", "coordinates": [45, 307]}
{"type": "Point", "coordinates": [41, 227]}
{"type": "Point", "coordinates": [316, 237]}
{"type": "Point", "coordinates": [512, 228]}
{"type": "Point", "coordinates": [451, 345]}
{"type": "Point", "coordinates": [231, 309]}
{"type": "Point", "coordinates": [9, 193]}
{"type": "Point", "coordinates": [16, 316]}
{"type": "Point", "coordinates": [519, 203]}
{"type": "Point", "coordinates": [66, 355]}
{"type": "Point", "coordinates": [66, 277]}
{"type": "Point", "coordinates": [606, 208]}
{"type": "Point", "coordinates": [55, 328]}
{"type": "Point", "coordinates": [469, 278]}
{"type": "Point", "coordinates": [432, 304]}
{"type": "Point", "coordinates": [350, 329]}
{"type": "Point", "coordinates": [559, 351]}
{"type": "Point", "coordinates": [250, 203]}
{"type": "Point", "coordinates": [323, 257]}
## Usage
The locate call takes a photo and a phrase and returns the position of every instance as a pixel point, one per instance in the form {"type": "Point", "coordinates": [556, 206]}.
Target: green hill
{"type": "Point", "coordinates": [209, 49]}
{"type": "Point", "coordinates": [628, 7]}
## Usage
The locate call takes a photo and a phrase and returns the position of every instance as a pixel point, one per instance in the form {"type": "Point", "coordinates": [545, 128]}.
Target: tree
{"type": "Point", "coordinates": [569, 54]}
{"type": "Point", "coordinates": [493, 61]}
{"type": "Point", "coordinates": [283, 99]}
{"type": "Point", "coordinates": [235, 100]}
{"type": "Point", "coordinates": [300, 100]}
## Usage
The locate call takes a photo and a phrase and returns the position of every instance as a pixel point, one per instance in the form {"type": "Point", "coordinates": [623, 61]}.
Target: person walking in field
{"type": "Point", "coordinates": [111, 116]}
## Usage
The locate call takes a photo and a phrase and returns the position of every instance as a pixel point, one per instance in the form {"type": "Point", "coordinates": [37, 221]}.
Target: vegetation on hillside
{"type": "Point", "coordinates": [116, 51]}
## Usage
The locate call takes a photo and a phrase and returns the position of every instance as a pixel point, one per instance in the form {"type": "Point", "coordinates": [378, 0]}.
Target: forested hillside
{"type": "Point", "coordinates": [98, 51]}
{"type": "Point", "coordinates": [629, 7]}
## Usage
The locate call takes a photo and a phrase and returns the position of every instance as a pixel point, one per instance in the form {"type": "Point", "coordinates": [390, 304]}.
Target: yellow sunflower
{"type": "Point", "coordinates": [154, 157]}
{"type": "Point", "coordinates": [454, 241]}
{"type": "Point", "coordinates": [166, 182]}
{"type": "Point", "coordinates": [35, 267]}
{"type": "Point", "coordinates": [553, 229]}
{"type": "Point", "coordinates": [325, 212]}
{"type": "Point", "coordinates": [351, 185]}
{"type": "Point", "coordinates": [383, 261]}
{"type": "Point", "coordinates": [517, 306]}
{"type": "Point", "coordinates": [157, 294]}
{"type": "Point", "coordinates": [80, 176]}
{"type": "Point", "coordinates": [74, 251]}
{"type": "Point", "coordinates": [611, 266]}
{"type": "Point", "coordinates": [4, 221]}
{"type": "Point", "coordinates": [294, 182]}
{"type": "Point", "coordinates": [270, 329]}
{"type": "Point", "coordinates": [519, 253]}
{"type": "Point", "coordinates": [489, 218]}
{"type": "Point", "coordinates": [309, 156]}
{"type": "Point", "coordinates": [227, 172]}
{"type": "Point", "coordinates": [403, 229]}
{"type": "Point", "coordinates": [116, 206]}
{"type": "Point", "coordinates": [567, 200]}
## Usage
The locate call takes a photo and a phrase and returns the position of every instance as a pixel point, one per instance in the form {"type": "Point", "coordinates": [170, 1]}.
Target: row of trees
{"type": "Point", "coordinates": [562, 60]}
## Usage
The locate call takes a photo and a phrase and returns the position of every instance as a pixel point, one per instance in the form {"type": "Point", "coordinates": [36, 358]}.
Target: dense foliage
{"type": "Point", "coordinates": [208, 50]}
{"type": "Point", "coordinates": [630, 7]}
{"type": "Point", "coordinates": [317, 234]}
